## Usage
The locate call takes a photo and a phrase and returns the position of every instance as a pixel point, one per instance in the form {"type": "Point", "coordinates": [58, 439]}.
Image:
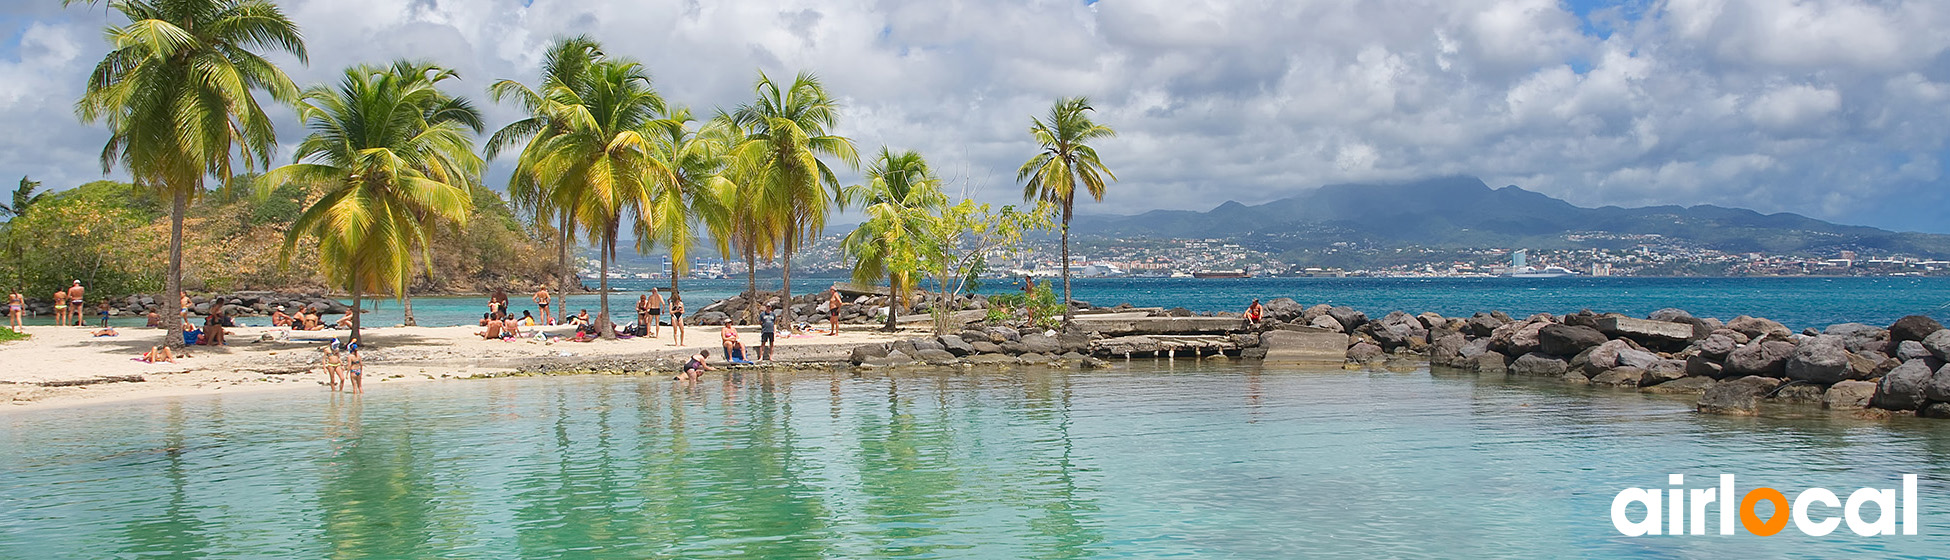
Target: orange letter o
{"type": "Point", "coordinates": [1752, 522]}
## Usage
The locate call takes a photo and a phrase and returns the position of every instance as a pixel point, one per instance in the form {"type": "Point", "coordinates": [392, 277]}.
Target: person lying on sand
{"type": "Point", "coordinates": [106, 331]}
{"type": "Point", "coordinates": [160, 354]}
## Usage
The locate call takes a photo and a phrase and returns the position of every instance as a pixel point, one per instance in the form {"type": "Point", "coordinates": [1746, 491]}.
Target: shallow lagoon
{"type": "Point", "coordinates": [1145, 460]}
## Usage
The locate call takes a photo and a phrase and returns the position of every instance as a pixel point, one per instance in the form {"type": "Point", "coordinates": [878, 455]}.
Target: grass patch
{"type": "Point", "coordinates": [10, 335]}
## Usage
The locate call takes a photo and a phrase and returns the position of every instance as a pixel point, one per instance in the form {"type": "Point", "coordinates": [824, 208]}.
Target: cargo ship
{"type": "Point", "coordinates": [1221, 274]}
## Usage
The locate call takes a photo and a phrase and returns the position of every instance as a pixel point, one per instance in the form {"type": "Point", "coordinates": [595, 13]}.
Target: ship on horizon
{"type": "Point", "coordinates": [1234, 273]}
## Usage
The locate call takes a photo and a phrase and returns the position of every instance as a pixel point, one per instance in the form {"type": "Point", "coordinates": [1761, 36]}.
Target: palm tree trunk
{"type": "Point", "coordinates": [751, 282]}
{"type": "Point", "coordinates": [563, 274]}
{"type": "Point", "coordinates": [356, 306]}
{"type": "Point", "coordinates": [893, 304]}
{"type": "Point", "coordinates": [179, 204]}
{"type": "Point", "coordinates": [406, 300]}
{"type": "Point", "coordinates": [1067, 314]}
{"type": "Point", "coordinates": [603, 327]}
{"type": "Point", "coordinates": [785, 293]}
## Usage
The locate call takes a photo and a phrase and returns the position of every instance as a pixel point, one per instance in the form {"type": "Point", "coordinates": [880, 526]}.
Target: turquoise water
{"type": "Point", "coordinates": [1796, 302]}
{"type": "Point", "coordinates": [1145, 460]}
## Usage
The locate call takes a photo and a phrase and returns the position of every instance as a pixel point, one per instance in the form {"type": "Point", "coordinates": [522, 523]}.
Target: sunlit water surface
{"type": "Point", "coordinates": [1145, 460]}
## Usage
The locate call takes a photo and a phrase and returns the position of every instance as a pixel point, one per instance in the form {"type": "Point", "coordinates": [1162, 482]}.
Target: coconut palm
{"type": "Point", "coordinates": [601, 164]}
{"type": "Point", "coordinates": [693, 201]}
{"type": "Point", "coordinates": [177, 93]}
{"type": "Point", "coordinates": [900, 195]}
{"type": "Point", "coordinates": [750, 225]}
{"type": "Point", "coordinates": [789, 129]}
{"type": "Point", "coordinates": [564, 65]}
{"type": "Point", "coordinates": [1066, 161]}
{"type": "Point", "coordinates": [23, 199]}
{"type": "Point", "coordinates": [393, 154]}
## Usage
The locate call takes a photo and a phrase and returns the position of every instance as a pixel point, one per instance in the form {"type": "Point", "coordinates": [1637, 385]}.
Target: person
{"type": "Point", "coordinates": [510, 327]}
{"type": "Point", "coordinates": [498, 302]}
{"type": "Point", "coordinates": [493, 330]}
{"type": "Point", "coordinates": [213, 329]}
{"type": "Point", "coordinates": [60, 308]}
{"type": "Point", "coordinates": [74, 304]}
{"type": "Point", "coordinates": [1254, 312]}
{"type": "Point", "coordinates": [656, 311]}
{"type": "Point", "coordinates": [487, 318]}
{"type": "Point", "coordinates": [334, 366]}
{"type": "Point", "coordinates": [642, 309]}
{"type": "Point", "coordinates": [768, 323]}
{"type": "Point", "coordinates": [106, 331]}
{"type": "Point", "coordinates": [527, 320]}
{"type": "Point", "coordinates": [186, 305]}
{"type": "Point", "coordinates": [159, 354]}
{"type": "Point", "coordinates": [155, 320]}
{"type": "Point", "coordinates": [309, 319]}
{"type": "Point", "coordinates": [542, 300]}
{"type": "Point", "coordinates": [833, 304]}
{"type": "Point", "coordinates": [279, 319]}
{"type": "Point", "coordinates": [581, 319]}
{"type": "Point", "coordinates": [676, 320]}
{"type": "Point", "coordinates": [16, 305]}
{"type": "Point", "coordinates": [346, 321]}
{"type": "Point", "coordinates": [733, 349]}
{"type": "Point", "coordinates": [696, 366]}
{"type": "Point", "coordinates": [356, 366]}
{"type": "Point", "coordinates": [103, 310]}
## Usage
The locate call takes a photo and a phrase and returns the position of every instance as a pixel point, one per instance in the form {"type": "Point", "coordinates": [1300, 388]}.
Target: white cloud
{"type": "Point", "coordinates": [1827, 107]}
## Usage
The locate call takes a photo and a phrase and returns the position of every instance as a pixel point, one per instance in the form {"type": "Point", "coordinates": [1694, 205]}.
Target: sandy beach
{"type": "Point", "coordinates": [62, 366]}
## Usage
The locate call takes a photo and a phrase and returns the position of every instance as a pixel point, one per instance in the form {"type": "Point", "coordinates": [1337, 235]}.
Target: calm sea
{"type": "Point", "coordinates": [1144, 460]}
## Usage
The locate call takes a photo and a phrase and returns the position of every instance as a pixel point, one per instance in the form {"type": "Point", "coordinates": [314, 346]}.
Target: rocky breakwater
{"type": "Point", "coordinates": [994, 345]}
{"type": "Point", "coordinates": [856, 309]}
{"type": "Point", "coordinates": [237, 304]}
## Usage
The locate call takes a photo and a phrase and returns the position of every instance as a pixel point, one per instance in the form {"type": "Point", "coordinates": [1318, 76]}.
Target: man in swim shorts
{"type": "Point", "coordinates": [542, 300]}
{"type": "Point", "coordinates": [656, 314]}
{"type": "Point", "coordinates": [74, 304]}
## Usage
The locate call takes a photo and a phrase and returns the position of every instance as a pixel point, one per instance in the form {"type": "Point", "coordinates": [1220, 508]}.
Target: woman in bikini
{"type": "Point", "coordinates": [334, 376]}
{"type": "Point", "coordinates": [676, 320]}
{"type": "Point", "coordinates": [356, 365]}
{"type": "Point", "coordinates": [16, 305]}
{"type": "Point", "coordinates": [542, 299]}
{"type": "Point", "coordinates": [61, 307]}
{"type": "Point", "coordinates": [643, 310]}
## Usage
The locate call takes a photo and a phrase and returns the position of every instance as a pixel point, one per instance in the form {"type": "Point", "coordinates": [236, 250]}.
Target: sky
{"type": "Point", "coordinates": [1835, 109]}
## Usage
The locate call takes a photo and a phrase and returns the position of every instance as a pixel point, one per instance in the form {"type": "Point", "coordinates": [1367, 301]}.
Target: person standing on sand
{"type": "Point", "coordinates": [75, 304]}
{"type": "Point", "coordinates": [60, 308]}
{"type": "Point", "coordinates": [334, 379]}
{"type": "Point", "coordinates": [656, 311]}
{"type": "Point", "coordinates": [833, 304]}
{"type": "Point", "coordinates": [643, 310]}
{"type": "Point", "coordinates": [676, 320]}
{"type": "Point", "coordinates": [542, 301]}
{"type": "Point", "coordinates": [16, 305]}
{"type": "Point", "coordinates": [356, 366]}
{"type": "Point", "coordinates": [768, 324]}
{"type": "Point", "coordinates": [103, 309]}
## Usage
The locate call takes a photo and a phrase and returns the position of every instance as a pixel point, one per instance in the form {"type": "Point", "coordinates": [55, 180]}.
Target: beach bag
{"type": "Point", "coordinates": [640, 329]}
{"type": "Point", "coordinates": [190, 337]}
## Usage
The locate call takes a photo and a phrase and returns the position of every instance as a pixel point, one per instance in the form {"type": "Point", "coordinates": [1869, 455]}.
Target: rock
{"type": "Point", "coordinates": [1861, 366]}
{"type": "Point", "coordinates": [1935, 410]}
{"type": "Point", "coordinates": [1717, 346]}
{"type": "Point", "coordinates": [1490, 362]}
{"type": "Point", "coordinates": [1072, 357]}
{"type": "Point", "coordinates": [1000, 335]}
{"type": "Point", "coordinates": [1619, 377]}
{"type": "Point", "coordinates": [1767, 357]}
{"type": "Point", "coordinates": [1284, 309]}
{"type": "Point", "coordinates": [955, 345]}
{"type": "Point", "coordinates": [861, 354]}
{"type": "Point", "coordinates": [1038, 343]}
{"type": "Point", "coordinates": [1073, 341]}
{"type": "Point", "coordinates": [1848, 395]}
{"type": "Point", "coordinates": [1737, 336]}
{"type": "Point", "coordinates": [1737, 397]}
{"type": "Point", "coordinates": [936, 357]}
{"type": "Point", "coordinates": [1682, 386]}
{"type": "Point", "coordinates": [1432, 321]}
{"type": "Point", "coordinates": [1605, 356]}
{"type": "Point", "coordinates": [1317, 311]}
{"type": "Point", "coordinates": [985, 347]}
{"type": "Point", "coordinates": [1283, 346]}
{"type": "Point", "coordinates": [1564, 340]}
{"type": "Point", "coordinates": [1583, 318]}
{"type": "Point", "coordinates": [1483, 324]}
{"type": "Point", "coordinates": [1938, 389]}
{"type": "Point", "coordinates": [1904, 388]}
{"type": "Point", "coordinates": [1348, 317]}
{"type": "Point", "coordinates": [1538, 364]}
{"type": "Point", "coordinates": [1663, 371]}
{"type": "Point", "coordinates": [1822, 360]}
{"type": "Point", "coordinates": [1859, 337]}
{"type": "Point", "coordinates": [899, 358]}
{"type": "Point", "coordinates": [710, 318]}
{"type": "Point", "coordinates": [1798, 393]}
{"type": "Point", "coordinates": [1671, 315]}
{"type": "Point", "coordinates": [1328, 323]}
{"type": "Point", "coordinates": [1518, 338]}
{"type": "Point", "coordinates": [1912, 350]}
{"type": "Point", "coordinates": [1447, 350]}
{"type": "Point", "coordinates": [1913, 327]}
{"type": "Point", "coordinates": [1700, 366]}
{"type": "Point", "coordinates": [1938, 343]}
{"type": "Point", "coordinates": [990, 359]}
{"type": "Point", "coordinates": [1646, 331]}
{"type": "Point", "coordinates": [1033, 359]}
{"type": "Point", "coordinates": [927, 344]}
{"type": "Point", "coordinates": [1366, 353]}
{"type": "Point", "coordinates": [1470, 350]}
{"type": "Point", "coordinates": [1755, 327]}
{"type": "Point", "coordinates": [1635, 358]}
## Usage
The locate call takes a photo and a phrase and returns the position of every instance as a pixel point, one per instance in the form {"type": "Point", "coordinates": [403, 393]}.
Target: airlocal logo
{"type": "Point", "coordinates": [1682, 511]}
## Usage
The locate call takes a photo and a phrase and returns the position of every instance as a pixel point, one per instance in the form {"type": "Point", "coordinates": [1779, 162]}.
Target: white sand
{"type": "Point", "coordinates": [57, 355]}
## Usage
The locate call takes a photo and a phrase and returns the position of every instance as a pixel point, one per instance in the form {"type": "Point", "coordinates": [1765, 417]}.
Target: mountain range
{"type": "Point", "coordinates": [1464, 212]}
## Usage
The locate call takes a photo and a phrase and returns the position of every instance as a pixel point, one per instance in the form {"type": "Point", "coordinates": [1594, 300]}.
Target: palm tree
{"type": "Point", "coordinates": [176, 92]}
{"type": "Point", "coordinates": [1066, 161]}
{"type": "Point", "coordinates": [789, 129]}
{"type": "Point", "coordinates": [564, 65]}
{"type": "Point", "coordinates": [23, 199]}
{"type": "Point", "coordinates": [900, 195]}
{"type": "Point", "coordinates": [394, 154]}
{"type": "Point", "coordinates": [751, 226]}
{"type": "Point", "coordinates": [695, 196]}
{"type": "Point", "coordinates": [601, 164]}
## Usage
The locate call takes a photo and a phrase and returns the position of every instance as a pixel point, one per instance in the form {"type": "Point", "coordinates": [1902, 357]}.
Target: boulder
{"type": "Point", "coordinates": [1033, 359]}
{"type": "Point", "coordinates": [1432, 321]}
{"type": "Point", "coordinates": [709, 318]}
{"type": "Point", "coordinates": [1038, 343]}
{"type": "Point", "coordinates": [1794, 392]}
{"type": "Point", "coordinates": [1913, 327]}
{"type": "Point", "coordinates": [1912, 350]}
{"type": "Point", "coordinates": [1645, 330]}
{"type": "Point", "coordinates": [1671, 315]}
{"type": "Point", "coordinates": [1619, 377]}
{"type": "Point", "coordinates": [861, 354]}
{"type": "Point", "coordinates": [955, 345]}
{"type": "Point", "coordinates": [936, 357]}
{"type": "Point", "coordinates": [1000, 335]}
{"type": "Point", "coordinates": [1767, 357]}
{"type": "Point", "coordinates": [1317, 311]}
{"type": "Point", "coordinates": [1605, 356]}
{"type": "Point", "coordinates": [1717, 346]}
{"type": "Point", "coordinates": [1583, 318]}
{"type": "Point", "coordinates": [1518, 338]}
{"type": "Point", "coordinates": [1284, 310]}
{"type": "Point", "coordinates": [1937, 410]}
{"type": "Point", "coordinates": [1635, 358]}
{"type": "Point", "coordinates": [1446, 350]}
{"type": "Point", "coordinates": [1540, 365]}
{"type": "Point", "coordinates": [1490, 362]}
{"type": "Point", "coordinates": [1482, 324]}
{"type": "Point", "coordinates": [1348, 317]}
{"type": "Point", "coordinates": [1862, 366]}
{"type": "Point", "coordinates": [1700, 366]}
{"type": "Point", "coordinates": [1904, 388]}
{"type": "Point", "coordinates": [1848, 395]}
{"type": "Point", "coordinates": [1318, 347]}
{"type": "Point", "coordinates": [985, 347]}
{"type": "Point", "coordinates": [1938, 343]}
{"type": "Point", "coordinates": [898, 358]}
{"type": "Point", "coordinates": [990, 359]}
{"type": "Point", "coordinates": [1822, 360]}
{"type": "Point", "coordinates": [1738, 397]}
{"type": "Point", "coordinates": [1938, 389]}
{"type": "Point", "coordinates": [1859, 337]}
{"type": "Point", "coordinates": [1565, 340]}
{"type": "Point", "coordinates": [1366, 354]}
{"type": "Point", "coordinates": [1326, 322]}
{"type": "Point", "coordinates": [927, 344]}
{"type": "Point", "coordinates": [1663, 371]}
{"type": "Point", "coordinates": [1755, 327]}
{"type": "Point", "coordinates": [1682, 386]}
{"type": "Point", "coordinates": [1737, 336]}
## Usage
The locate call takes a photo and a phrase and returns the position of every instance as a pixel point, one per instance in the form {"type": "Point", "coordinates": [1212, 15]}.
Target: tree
{"type": "Point", "coordinates": [968, 233]}
{"type": "Point", "coordinates": [23, 199]}
{"type": "Point", "coordinates": [176, 92]}
{"type": "Point", "coordinates": [1066, 162]}
{"type": "Point", "coordinates": [394, 154]}
{"type": "Point", "coordinates": [693, 198]}
{"type": "Point", "coordinates": [899, 197]}
{"type": "Point", "coordinates": [564, 65]}
{"type": "Point", "coordinates": [601, 163]}
{"type": "Point", "coordinates": [788, 130]}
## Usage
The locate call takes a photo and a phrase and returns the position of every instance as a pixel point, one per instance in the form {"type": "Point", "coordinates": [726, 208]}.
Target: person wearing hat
{"type": "Point", "coordinates": [74, 304]}
{"type": "Point", "coordinates": [734, 350]}
{"type": "Point", "coordinates": [279, 319]}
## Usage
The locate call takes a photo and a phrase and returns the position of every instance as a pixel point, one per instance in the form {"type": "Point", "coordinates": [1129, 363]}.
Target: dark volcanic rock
{"type": "Point", "coordinates": [1912, 350]}
{"type": "Point", "coordinates": [1822, 359]}
{"type": "Point", "coordinates": [1859, 337]}
{"type": "Point", "coordinates": [1904, 388]}
{"type": "Point", "coordinates": [1327, 322]}
{"type": "Point", "coordinates": [863, 353]}
{"type": "Point", "coordinates": [1483, 324]}
{"type": "Point", "coordinates": [1663, 371]}
{"type": "Point", "coordinates": [1938, 389]}
{"type": "Point", "coordinates": [1913, 327]}
{"type": "Point", "coordinates": [1620, 377]}
{"type": "Point", "coordinates": [1767, 358]}
{"type": "Point", "coordinates": [955, 345]}
{"type": "Point", "coordinates": [1348, 317]}
{"type": "Point", "coordinates": [1717, 346]}
{"type": "Point", "coordinates": [1564, 340]}
{"type": "Point", "coordinates": [1755, 327]}
{"type": "Point", "coordinates": [1366, 353]}
{"type": "Point", "coordinates": [1284, 309]}
{"type": "Point", "coordinates": [1738, 397]}
{"type": "Point", "coordinates": [1682, 386]}
{"type": "Point", "coordinates": [1540, 365]}
{"type": "Point", "coordinates": [1848, 395]}
{"type": "Point", "coordinates": [1938, 343]}
{"type": "Point", "coordinates": [1671, 315]}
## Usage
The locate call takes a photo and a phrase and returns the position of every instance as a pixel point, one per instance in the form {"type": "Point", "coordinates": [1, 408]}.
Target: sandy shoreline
{"type": "Point", "coordinates": [65, 366]}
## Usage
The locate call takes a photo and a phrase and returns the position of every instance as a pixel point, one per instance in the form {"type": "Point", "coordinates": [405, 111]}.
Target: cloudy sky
{"type": "Point", "coordinates": [1837, 109]}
